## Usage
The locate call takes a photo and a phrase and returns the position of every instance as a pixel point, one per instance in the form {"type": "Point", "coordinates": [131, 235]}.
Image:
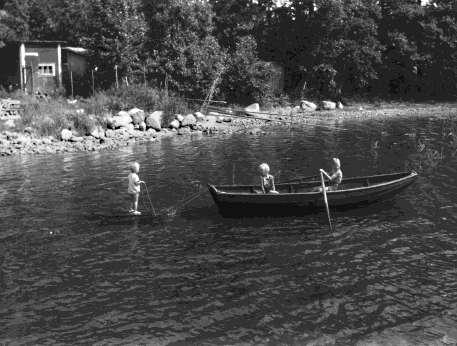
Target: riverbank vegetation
{"type": "Point", "coordinates": [327, 49]}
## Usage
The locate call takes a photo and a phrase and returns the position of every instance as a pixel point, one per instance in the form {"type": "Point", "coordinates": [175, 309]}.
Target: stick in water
{"type": "Point", "coordinates": [149, 198]}
{"type": "Point", "coordinates": [324, 192]}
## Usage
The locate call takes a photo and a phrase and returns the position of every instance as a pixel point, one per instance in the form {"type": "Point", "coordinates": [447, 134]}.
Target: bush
{"type": "Point", "coordinates": [247, 79]}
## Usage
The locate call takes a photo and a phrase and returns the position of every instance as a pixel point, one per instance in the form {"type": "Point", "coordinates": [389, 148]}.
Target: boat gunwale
{"type": "Point", "coordinates": [409, 175]}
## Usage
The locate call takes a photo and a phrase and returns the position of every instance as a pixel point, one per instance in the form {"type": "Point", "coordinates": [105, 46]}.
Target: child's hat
{"type": "Point", "coordinates": [337, 162]}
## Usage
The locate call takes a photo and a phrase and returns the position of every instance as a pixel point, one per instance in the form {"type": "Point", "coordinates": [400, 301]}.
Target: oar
{"type": "Point", "coordinates": [324, 192]}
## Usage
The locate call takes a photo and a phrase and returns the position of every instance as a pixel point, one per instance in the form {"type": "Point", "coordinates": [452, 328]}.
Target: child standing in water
{"type": "Point", "coordinates": [134, 188]}
{"type": "Point", "coordinates": [266, 179]}
{"type": "Point", "coordinates": [337, 175]}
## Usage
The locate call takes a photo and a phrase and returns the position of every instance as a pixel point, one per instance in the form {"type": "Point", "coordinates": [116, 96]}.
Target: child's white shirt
{"type": "Point", "coordinates": [134, 187]}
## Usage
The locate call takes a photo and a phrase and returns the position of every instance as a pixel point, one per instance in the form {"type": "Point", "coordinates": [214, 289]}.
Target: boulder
{"type": "Point", "coordinates": [189, 120]}
{"type": "Point", "coordinates": [28, 130]}
{"type": "Point", "coordinates": [252, 109]}
{"type": "Point", "coordinates": [174, 124]}
{"type": "Point", "coordinates": [137, 115]}
{"type": "Point", "coordinates": [154, 120]}
{"type": "Point", "coordinates": [328, 105]}
{"type": "Point", "coordinates": [220, 119]}
{"type": "Point", "coordinates": [66, 135]}
{"type": "Point", "coordinates": [308, 106]}
{"type": "Point", "coordinates": [151, 132]}
{"type": "Point", "coordinates": [227, 119]}
{"type": "Point", "coordinates": [122, 119]}
{"type": "Point", "coordinates": [296, 109]}
{"type": "Point", "coordinates": [199, 116]}
{"type": "Point", "coordinates": [142, 126]}
{"type": "Point", "coordinates": [110, 133]}
{"type": "Point", "coordinates": [97, 132]}
{"type": "Point", "coordinates": [130, 128]}
{"type": "Point", "coordinates": [179, 117]}
{"type": "Point", "coordinates": [9, 123]}
{"type": "Point", "coordinates": [339, 105]}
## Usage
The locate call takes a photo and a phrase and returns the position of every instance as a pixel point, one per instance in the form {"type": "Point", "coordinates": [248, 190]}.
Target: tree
{"type": "Point", "coordinates": [182, 46]}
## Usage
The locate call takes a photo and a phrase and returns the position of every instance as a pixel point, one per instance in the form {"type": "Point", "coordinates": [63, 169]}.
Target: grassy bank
{"type": "Point", "coordinates": [48, 116]}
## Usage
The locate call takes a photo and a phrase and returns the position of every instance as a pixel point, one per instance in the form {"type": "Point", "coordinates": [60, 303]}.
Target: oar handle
{"type": "Point", "coordinates": [324, 193]}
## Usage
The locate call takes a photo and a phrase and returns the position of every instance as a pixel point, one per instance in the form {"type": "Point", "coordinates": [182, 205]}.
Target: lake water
{"type": "Point", "coordinates": [74, 270]}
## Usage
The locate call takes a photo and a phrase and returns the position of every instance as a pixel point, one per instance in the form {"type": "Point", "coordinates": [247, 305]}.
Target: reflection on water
{"type": "Point", "coordinates": [73, 269]}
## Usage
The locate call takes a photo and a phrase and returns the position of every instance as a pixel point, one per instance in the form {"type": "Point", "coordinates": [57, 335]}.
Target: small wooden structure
{"type": "Point", "coordinates": [35, 66]}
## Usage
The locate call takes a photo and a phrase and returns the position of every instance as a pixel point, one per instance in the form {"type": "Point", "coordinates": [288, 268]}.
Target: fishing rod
{"type": "Point", "coordinates": [149, 198]}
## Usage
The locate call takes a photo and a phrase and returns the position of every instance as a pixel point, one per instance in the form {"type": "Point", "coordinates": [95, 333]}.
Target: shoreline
{"type": "Point", "coordinates": [27, 143]}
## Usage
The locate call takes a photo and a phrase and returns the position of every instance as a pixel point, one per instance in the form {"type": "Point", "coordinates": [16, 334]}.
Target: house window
{"type": "Point", "coordinates": [48, 70]}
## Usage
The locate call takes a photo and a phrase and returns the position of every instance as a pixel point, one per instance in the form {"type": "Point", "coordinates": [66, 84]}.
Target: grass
{"type": "Point", "coordinates": [47, 117]}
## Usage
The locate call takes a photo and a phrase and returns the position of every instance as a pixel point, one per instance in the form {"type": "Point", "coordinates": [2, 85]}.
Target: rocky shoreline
{"type": "Point", "coordinates": [27, 142]}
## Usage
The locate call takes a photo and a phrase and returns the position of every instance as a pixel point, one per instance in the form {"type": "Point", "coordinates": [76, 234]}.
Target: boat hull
{"type": "Point", "coordinates": [246, 201]}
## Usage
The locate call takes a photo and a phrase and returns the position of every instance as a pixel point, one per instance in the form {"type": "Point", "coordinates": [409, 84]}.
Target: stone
{"type": "Point", "coordinates": [9, 123]}
{"type": "Point", "coordinates": [174, 124]}
{"type": "Point", "coordinates": [308, 106]}
{"type": "Point", "coordinates": [179, 117]}
{"type": "Point", "coordinates": [76, 139]}
{"type": "Point", "coordinates": [184, 131]}
{"type": "Point", "coordinates": [151, 132]}
{"type": "Point", "coordinates": [339, 105]}
{"type": "Point", "coordinates": [28, 130]}
{"type": "Point", "coordinates": [66, 135]}
{"type": "Point", "coordinates": [97, 132]}
{"type": "Point", "coordinates": [220, 119]}
{"type": "Point", "coordinates": [122, 119]}
{"type": "Point", "coordinates": [227, 120]}
{"type": "Point", "coordinates": [154, 120]}
{"type": "Point", "coordinates": [296, 109]}
{"type": "Point", "coordinates": [142, 126]}
{"type": "Point", "coordinates": [252, 109]}
{"type": "Point", "coordinates": [328, 105]}
{"type": "Point", "coordinates": [110, 133]}
{"type": "Point", "coordinates": [137, 115]}
{"type": "Point", "coordinates": [189, 120]}
{"type": "Point", "coordinates": [199, 116]}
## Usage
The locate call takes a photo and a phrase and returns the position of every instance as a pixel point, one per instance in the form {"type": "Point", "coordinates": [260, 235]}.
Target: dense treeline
{"type": "Point", "coordinates": [329, 48]}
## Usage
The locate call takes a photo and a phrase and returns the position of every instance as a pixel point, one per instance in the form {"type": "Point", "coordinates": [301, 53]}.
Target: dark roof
{"type": "Point", "coordinates": [43, 42]}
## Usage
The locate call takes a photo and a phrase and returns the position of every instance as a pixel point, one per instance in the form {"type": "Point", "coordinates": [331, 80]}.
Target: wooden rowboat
{"type": "Point", "coordinates": [304, 197]}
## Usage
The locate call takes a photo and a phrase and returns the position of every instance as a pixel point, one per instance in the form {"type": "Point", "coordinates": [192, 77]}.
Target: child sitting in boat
{"type": "Point", "coordinates": [267, 181]}
{"type": "Point", "coordinates": [336, 176]}
{"type": "Point", "coordinates": [134, 188]}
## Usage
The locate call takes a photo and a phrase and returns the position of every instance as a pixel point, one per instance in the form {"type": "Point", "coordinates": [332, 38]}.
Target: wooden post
{"type": "Point", "coordinates": [71, 83]}
{"type": "Point", "coordinates": [93, 83]}
{"type": "Point", "coordinates": [144, 76]}
{"type": "Point", "coordinates": [324, 192]}
{"type": "Point", "coordinates": [117, 76]}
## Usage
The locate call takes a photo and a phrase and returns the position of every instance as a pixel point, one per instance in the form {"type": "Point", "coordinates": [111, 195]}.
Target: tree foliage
{"type": "Point", "coordinates": [329, 48]}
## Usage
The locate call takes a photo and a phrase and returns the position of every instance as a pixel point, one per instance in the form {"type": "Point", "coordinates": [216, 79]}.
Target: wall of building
{"type": "Point", "coordinates": [42, 68]}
